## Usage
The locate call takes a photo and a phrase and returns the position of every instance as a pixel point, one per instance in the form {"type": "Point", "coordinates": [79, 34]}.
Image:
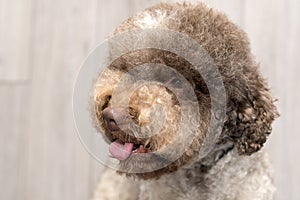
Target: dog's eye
{"type": "Point", "coordinates": [176, 83]}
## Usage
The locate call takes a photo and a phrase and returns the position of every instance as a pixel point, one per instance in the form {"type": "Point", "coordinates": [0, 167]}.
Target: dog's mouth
{"type": "Point", "coordinates": [123, 150]}
{"type": "Point", "coordinates": [123, 138]}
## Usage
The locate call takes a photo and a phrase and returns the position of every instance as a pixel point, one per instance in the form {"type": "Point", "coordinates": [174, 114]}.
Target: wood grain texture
{"type": "Point", "coordinates": [274, 30]}
{"type": "Point", "coordinates": [13, 141]}
{"type": "Point", "coordinates": [15, 40]}
{"type": "Point", "coordinates": [43, 44]}
{"type": "Point", "coordinates": [58, 167]}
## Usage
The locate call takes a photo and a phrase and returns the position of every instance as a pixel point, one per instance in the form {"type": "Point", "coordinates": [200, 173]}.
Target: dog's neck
{"type": "Point", "coordinates": [215, 177]}
{"type": "Point", "coordinates": [219, 150]}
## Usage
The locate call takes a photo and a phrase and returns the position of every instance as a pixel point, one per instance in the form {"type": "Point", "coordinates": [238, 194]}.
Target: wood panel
{"type": "Point", "coordinates": [15, 27]}
{"type": "Point", "coordinates": [58, 167]}
{"type": "Point", "coordinates": [274, 28]}
{"type": "Point", "coordinates": [13, 156]}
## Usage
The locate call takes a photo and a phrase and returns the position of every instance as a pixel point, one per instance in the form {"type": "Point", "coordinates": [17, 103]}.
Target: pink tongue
{"type": "Point", "coordinates": [120, 151]}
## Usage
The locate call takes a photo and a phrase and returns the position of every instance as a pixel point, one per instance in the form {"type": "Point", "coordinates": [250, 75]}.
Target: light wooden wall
{"type": "Point", "coordinates": [42, 45]}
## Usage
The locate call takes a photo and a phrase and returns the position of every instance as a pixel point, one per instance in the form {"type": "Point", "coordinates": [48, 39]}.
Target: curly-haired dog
{"type": "Point", "coordinates": [234, 168]}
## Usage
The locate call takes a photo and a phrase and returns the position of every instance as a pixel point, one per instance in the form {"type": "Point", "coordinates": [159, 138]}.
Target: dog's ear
{"type": "Point", "coordinates": [251, 111]}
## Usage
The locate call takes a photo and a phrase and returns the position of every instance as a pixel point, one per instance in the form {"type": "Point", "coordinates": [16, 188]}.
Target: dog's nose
{"type": "Point", "coordinates": [114, 117]}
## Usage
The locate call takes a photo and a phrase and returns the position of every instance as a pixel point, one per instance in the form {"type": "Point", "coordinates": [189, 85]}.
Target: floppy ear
{"type": "Point", "coordinates": [251, 111]}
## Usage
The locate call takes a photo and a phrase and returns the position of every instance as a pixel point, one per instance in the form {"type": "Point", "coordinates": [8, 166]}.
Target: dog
{"type": "Point", "coordinates": [234, 166]}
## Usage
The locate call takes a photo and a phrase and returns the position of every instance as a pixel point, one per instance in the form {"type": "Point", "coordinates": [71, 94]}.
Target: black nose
{"type": "Point", "coordinates": [114, 117]}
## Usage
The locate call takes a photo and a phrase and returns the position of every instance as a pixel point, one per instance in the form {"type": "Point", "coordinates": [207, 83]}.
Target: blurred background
{"type": "Point", "coordinates": [42, 46]}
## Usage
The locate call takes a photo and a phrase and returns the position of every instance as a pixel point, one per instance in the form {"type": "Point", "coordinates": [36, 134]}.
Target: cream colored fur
{"type": "Point", "coordinates": [234, 177]}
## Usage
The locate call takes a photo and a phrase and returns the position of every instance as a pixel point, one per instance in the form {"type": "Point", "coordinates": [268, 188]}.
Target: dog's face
{"type": "Point", "coordinates": [135, 130]}
{"type": "Point", "coordinates": [133, 127]}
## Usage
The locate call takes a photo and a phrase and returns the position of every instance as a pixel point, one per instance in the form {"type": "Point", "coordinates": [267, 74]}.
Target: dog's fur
{"type": "Point", "coordinates": [233, 169]}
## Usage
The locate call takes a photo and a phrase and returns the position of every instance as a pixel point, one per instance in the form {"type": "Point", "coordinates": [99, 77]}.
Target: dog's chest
{"type": "Point", "coordinates": [233, 177]}
{"type": "Point", "coordinates": [172, 187]}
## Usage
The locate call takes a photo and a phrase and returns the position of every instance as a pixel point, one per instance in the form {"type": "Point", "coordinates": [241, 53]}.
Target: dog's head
{"type": "Point", "coordinates": [130, 123]}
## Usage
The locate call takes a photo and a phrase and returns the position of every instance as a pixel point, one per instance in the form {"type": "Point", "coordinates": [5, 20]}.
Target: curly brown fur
{"type": "Point", "coordinates": [250, 107]}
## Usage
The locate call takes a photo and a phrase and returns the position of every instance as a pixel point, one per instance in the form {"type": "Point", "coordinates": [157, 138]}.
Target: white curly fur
{"type": "Point", "coordinates": [148, 20]}
{"type": "Point", "coordinates": [234, 177]}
